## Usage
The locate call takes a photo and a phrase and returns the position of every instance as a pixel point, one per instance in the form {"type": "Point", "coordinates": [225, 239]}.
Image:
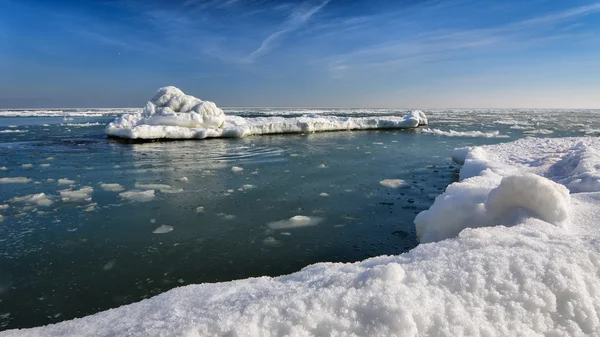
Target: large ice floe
{"type": "Point", "coordinates": [171, 114]}
{"type": "Point", "coordinates": [514, 251]}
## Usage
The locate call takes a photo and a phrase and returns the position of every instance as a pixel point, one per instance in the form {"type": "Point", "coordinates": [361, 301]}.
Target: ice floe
{"type": "Point", "coordinates": [172, 114]}
{"type": "Point", "coordinates": [15, 180]}
{"type": "Point", "coordinates": [141, 196]}
{"type": "Point", "coordinates": [40, 199]}
{"type": "Point", "coordinates": [112, 187]}
{"type": "Point", "coordinates": [80, 195]}
{"type": "Point", "coordinates": [163, 229]}
{"type": "Point", "coordinates": [295, 222]}
{"type": "Point", "coordinates": [393, 183]}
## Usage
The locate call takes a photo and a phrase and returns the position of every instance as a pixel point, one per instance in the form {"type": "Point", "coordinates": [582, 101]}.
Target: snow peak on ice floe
{"type": "Point", "coordinates": [170, 106]}
{"type": "Point", "coordinates": [171, 114]}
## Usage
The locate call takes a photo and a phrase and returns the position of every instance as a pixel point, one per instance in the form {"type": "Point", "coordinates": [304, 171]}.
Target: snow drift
{"type": "Point", "coordinates": [171, 114]}
{"type": "Point", "coordinates": [535, 276]}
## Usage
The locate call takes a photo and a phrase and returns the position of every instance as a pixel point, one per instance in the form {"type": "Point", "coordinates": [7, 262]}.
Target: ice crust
{"type": "Point", "coordinates": [532, 272]}
{"type": "Point", "coordinates": [173, 115]}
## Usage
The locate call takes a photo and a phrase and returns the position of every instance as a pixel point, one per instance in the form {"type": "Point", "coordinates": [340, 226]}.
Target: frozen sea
{"type": "Point", "coordinates": [220, 209]}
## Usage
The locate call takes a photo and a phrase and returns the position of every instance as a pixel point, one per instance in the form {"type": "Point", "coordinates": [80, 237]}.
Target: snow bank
{"type": "Point", "coordinates": [172, 114]}
{"type": "Point", "coordinates": [531, 176]}
{"type": "Point", "coordinates": [535, 276]}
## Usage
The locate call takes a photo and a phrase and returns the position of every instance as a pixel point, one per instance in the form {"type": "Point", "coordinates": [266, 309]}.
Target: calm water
{"type": "Point", "coordinates": [72, 259]}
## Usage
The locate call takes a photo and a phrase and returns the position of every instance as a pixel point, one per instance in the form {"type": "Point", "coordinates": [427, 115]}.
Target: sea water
{"type": "Point", "coordinates": [221, 208]}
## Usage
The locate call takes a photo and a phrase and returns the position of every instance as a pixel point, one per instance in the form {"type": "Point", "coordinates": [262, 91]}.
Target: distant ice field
{"type": "Point", "coordinates": [90, 223]}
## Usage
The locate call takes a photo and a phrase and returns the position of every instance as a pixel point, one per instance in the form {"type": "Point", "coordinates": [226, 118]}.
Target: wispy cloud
{"type": "Point", "coordinates": [427, 46]}
{"type": "Point", "coordinates": [295, 20]}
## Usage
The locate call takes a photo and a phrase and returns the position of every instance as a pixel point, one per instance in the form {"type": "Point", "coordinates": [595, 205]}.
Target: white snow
{"type": "Point", "coordinates": [174, 115]}
{"type": "Point", "coordinates": [393, 183]}
{"type": "Point", "coordinates": [532, 272]}
{"type": "Point", "coordinates": [474, 134]}
{"type": "Point", "coordinates": [15, 180]}
{"type": "Point", "coordinates": [112, 187]}
{"type": "Point", "coordinates": [141, 196]}
{"type": "Point", "coordinates": [80, 195]}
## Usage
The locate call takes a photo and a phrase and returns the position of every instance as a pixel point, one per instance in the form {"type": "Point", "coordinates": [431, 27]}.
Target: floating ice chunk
{"type": "Point", "coordinates": [183, 179]}
{"type": "Point", "coordinates": [237, 169]}
{"type": "Point", "coordinates": [172, 114]}
{"type": "Point", "coordinates": [112, 187]}
{"type": "Point", "coordinates": [27, 166]}
{"type": "Point", "coordinates": [3, 168]}
{"type": "Point", "coordinates": [323, 194]}
{"type": "Point", "coordinates": [248, 187]}
{"type": "Point", "coordinates": [15, 180]}
{"type": "Point", "coordinates": [3, 207]}
{"type": "Point", "coordinates": [65, 181]}
{"type": "Point", "coordinates": [199, 209]}
{"type": "Point", "coordinates": [44, 165]}
{"type": "Point", "coordinates": [393, 183]}
{"type": "Point", "coordinates": [271, 241]}
{"type": "Point", "coordinates": [539, 132]}
{"type": "Point", "coordinates": [109, 265]}
{"type": "Point", "coordinates": [1, 218]}
{"type": "Point", "coordinates": [322, 166]}
{"type": "Point", "coordinates": [295, 222]}
{"type": "Point", "coordinates": [40, 199]}
{"type": "Point", "coordinates": [163, 188]}
{"type": "Point", "coordinates": [83, 194]}
{"type": "Point", "coordinates": [474, 134]}
{"type": "Point", "coordinates": [163, 229]}
{"type": "Point", "coordinates": [141, 196]}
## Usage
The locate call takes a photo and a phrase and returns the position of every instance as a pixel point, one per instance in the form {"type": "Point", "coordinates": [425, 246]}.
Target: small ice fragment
{"type": "Point", "coordinates": [50, 158]}
{"type": "Point", "coordinates": [393, 183]}
{"type": "Point", "coordinates": [3, 207]}
{"type": "Point", "coordinates": [163, 229]}
{"type": "Point", "coordinates": [3, 168]}
{"type": "Point", "coordinates": [65, 181]}
{"type": "Point", "coordinates": [27, 165]}
{"type": "Point", "coordinates": [90, 208]}
{"type": "Point", "coordinates": [112, 187]}
{"type": "Point", "coordinates": [271, 241]}
{"type": "Point", "coordinates": [199, 209]}
{"type": "Point", "coordinates": [293, 155]}
{"type": "Point", "coordinates": [184, 179]}
{"type": "Point", "coordinates": [83, 194]}
{"type": "Point", "coordinates": [322, 166]}
{"type": "Point", "coordinates": [44, 165]}
{"type": "Point", "coordinates": [15, 180]}
{"type": "Point", "coordinates": [109, 265]}
{"type": "Point", "coordinates": [141, 196]}
{"type": "Point", "coordinates": [237, 169]}
{"type": "Point", "coordinates": [247, 187]}
{"type": "Point", "coordinates": [295, 222]}
{"type": "Point", "coordinates": [324, 194]}
{"type": "Point", "coordinates": [152, 220]}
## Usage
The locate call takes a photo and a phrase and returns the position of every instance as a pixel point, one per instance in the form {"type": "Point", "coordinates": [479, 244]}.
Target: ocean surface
{"type": "Point", "coordinates": [220, 208]}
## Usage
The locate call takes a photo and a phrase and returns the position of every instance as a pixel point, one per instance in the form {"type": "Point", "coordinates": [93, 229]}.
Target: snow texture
{"type": "Point", "coordinates": [534, 275]}
{"type": "Point", "coordinates": [171, 114]}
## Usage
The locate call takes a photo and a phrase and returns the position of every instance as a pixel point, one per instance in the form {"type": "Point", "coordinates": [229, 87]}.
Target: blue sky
{"type": "Point", "coordinates": [313, 53]}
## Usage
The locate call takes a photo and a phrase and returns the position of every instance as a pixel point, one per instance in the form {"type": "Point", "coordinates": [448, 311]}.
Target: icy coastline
{"type": "Point", "coordinates": [513, 251]}
{"type": "Point", "coordinates": [171, 114]}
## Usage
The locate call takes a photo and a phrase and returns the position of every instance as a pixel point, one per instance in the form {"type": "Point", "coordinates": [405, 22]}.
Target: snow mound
{"type": "Point", "coordinates": [171, 114]}
{"type": "Point", "coordinates": [532, 176]}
